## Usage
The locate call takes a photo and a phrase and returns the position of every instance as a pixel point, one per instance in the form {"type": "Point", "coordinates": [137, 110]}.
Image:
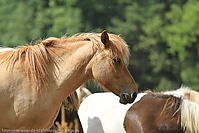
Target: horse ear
{"type": "Point", "coordinates": [105, 38]}
{"type": "Point", "coordinates": [49, 42]}
{"type": "Point", "coordinates": [187, 95]}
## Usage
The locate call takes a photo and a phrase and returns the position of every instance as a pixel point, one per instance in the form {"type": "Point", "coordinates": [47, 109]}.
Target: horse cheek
{"type": "Point", "coordinates": [102, 73]}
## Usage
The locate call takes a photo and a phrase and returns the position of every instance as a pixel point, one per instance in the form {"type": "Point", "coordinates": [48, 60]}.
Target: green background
{"type": "Point", "coordinates": [163, 35]}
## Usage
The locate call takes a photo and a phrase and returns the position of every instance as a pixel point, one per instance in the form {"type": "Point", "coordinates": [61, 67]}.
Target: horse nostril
{"type": "Point", "coordinates": [125, 96]}
{"type": "Point", "coordinates": [133, 95]}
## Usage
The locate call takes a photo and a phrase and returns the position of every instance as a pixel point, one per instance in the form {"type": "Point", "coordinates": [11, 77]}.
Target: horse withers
{"type": "Point", "coordinates": [158, 113]}
{"type": "Point", "coordinates": [37, 77]}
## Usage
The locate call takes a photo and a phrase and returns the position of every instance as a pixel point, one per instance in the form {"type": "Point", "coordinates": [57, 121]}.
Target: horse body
{"type": "Point", "coordinates": [157, 113]}
{"type": "Point", "coordinates": [26, 105]}
{"type": "Point", "coordinates": [20, 105]}
{"type": "Point", "coordinates": [102, 113]}
{"type": "Point", "coordinates": [149, 113]}
{"type": "Point", "coordinates": [36, 78]}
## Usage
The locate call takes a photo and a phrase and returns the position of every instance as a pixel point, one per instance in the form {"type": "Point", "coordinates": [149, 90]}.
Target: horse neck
{"type": "Point", "coordinates": [73, 68]}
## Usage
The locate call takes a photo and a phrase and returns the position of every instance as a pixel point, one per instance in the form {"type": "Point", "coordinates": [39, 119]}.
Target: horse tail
{"type": "Point", "coordinates": [190, 116]}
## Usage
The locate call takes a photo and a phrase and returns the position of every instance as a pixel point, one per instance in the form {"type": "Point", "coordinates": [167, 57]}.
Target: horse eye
{"type": "Point", "coordinates": [117, 61]}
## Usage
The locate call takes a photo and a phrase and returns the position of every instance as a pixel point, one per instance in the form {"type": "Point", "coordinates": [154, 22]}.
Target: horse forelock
{"type": "Point", "coordinates": [118, 48]}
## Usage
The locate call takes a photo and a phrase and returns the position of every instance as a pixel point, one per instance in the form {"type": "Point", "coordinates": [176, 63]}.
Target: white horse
{"type": "Point", "coordinates": [102, 113]}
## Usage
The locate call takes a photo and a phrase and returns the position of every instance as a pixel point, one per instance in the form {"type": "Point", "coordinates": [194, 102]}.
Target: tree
{"type": "Point", "coordinates": [162, 35]}
{"type": "Point", "coordinates": [182, 37]}
{"type": "Point", "coordinates": [23, 21]}
{"type": "Point", "coordinates": [151, 64]}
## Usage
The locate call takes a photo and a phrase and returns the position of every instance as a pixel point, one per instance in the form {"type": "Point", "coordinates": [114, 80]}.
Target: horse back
{"type": "Point", "coordinates": [154, 114]}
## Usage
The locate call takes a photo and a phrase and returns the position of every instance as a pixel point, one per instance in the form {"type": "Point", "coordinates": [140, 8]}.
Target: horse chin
{"type": "Point", "coordinates": [122, 101]}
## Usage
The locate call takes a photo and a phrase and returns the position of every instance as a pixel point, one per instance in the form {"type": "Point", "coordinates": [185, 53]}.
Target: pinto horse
{"type": "Point", "coordinates": [158, 113]}
{"type": "Point", "coordinates": [102, 113]}
{"type": "Point", "coordinates": [97, 111]}
{"type": "Point", "coordinates": [36, 78]}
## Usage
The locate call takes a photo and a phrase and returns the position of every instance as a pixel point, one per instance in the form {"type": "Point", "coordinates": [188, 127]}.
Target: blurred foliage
{"type": "Point", "coordinates": [163, 36]}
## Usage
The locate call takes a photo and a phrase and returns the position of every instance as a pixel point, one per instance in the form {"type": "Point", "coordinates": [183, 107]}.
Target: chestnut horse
{"type": "Point", "coordinates": [158, 113]}
{"type": "Point", "coordinates": [36, 78]}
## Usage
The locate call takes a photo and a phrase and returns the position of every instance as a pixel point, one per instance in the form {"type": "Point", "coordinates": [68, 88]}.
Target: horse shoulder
{"type": "Point", "coordinates": [21, 103]}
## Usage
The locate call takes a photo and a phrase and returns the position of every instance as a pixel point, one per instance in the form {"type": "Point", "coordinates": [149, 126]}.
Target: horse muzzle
{"type": "Point", "coordinates": [127, 97]}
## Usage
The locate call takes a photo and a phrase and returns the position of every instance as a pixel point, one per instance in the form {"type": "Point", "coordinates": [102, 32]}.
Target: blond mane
{"type": "Point", "coordinates": [34, 59]}
{"type": "Point", "coordinates": [190, 116]}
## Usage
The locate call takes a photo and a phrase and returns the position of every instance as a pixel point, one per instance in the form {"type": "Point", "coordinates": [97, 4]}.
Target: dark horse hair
{"type": "Point", "coordinates": [155, 113]}
{"type": "Point", "coordinates": [71, 105]}
{"type": "Point", "coordinates": [172, 102]}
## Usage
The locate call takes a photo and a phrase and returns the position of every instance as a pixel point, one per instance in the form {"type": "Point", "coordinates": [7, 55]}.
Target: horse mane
{"type": "Point", "coordinates": [35, 58]}
{"type": "Point", "coordinates": [190, 116]}
{"type": "Point", "coordinates": [189, 111]}
{"type": "Point", "coordinates": [178, 92]}
{"type": "Point", "coordinates": [172, 102]}
{"type": "Point", "coordinates": [117, 47]}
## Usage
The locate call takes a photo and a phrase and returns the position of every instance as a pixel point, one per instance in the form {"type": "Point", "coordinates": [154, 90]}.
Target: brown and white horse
{"type": "Point", "coordinates": [159, 113]}
{"type": "Point", "coordinates": [149, 113]}
{"type": "Point", "coordinates": [102, 113]}
{"type": "Point", "coordinates": [36, 79]}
